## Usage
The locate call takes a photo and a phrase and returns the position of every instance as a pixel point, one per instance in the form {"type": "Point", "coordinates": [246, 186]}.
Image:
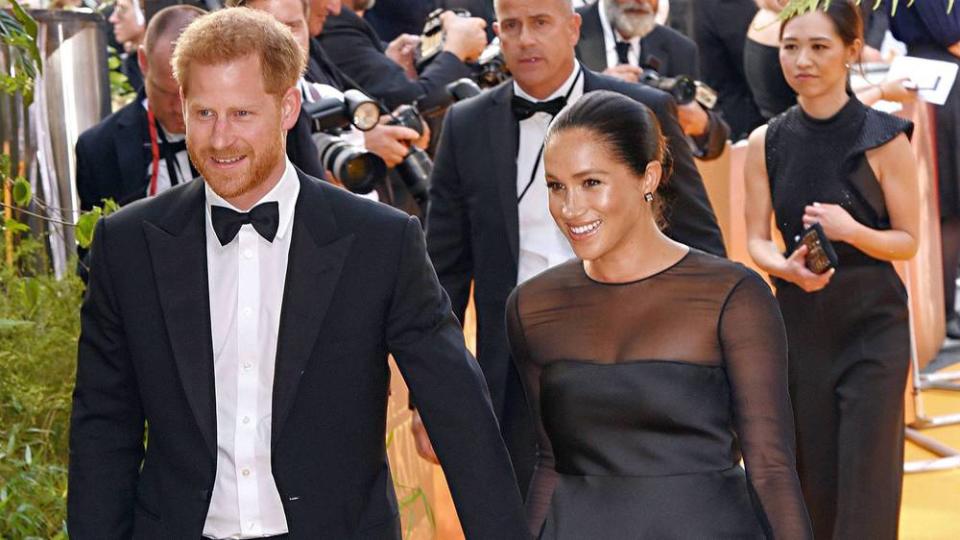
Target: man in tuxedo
{"type": "Point", "coordinates": [245, 318]}
{"type": "Point", "coordinates": [115, 158]}
{"type": "Point", "coordinates": [489, 222]}
{"type": "Point", "coordinates": [720, 32]}
{"type": "Point", "coordinates": [124, 159]}
{"type": "Point", "coordinates": [621, 37]}
{"type": "Point", "coordinates": [384, 72]}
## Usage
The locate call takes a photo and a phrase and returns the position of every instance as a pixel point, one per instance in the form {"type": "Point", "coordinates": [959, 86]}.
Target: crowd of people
{"type": "Point", "coordinates": [539, 158]}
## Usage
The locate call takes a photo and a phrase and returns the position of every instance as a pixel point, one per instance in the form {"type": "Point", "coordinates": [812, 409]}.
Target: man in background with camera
{"type": "Point", "coordinates": [139, 151]}
{"type": "Point", "coordinates": [621, 38]}
{"type": "Point", "coordinates": [489, 223]}
{"type": "Point", "coordinates": [390, 73]}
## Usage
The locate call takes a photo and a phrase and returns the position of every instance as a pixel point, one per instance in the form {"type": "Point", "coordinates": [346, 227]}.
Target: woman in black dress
{"type": "Point", "coordinates": [830, 160]}
{"type": "Point", "coordinates": [651, 368]}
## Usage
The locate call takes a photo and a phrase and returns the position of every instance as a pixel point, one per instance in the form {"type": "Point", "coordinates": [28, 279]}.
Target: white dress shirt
{"type": "Point", "coordinates": [610, 41]}
{"type": "Point", "coordinates": [542, 245]}
{"type": "Point", "coordinates": [184, 174]}
{"type": "Point", "coordinates": [246, 279]}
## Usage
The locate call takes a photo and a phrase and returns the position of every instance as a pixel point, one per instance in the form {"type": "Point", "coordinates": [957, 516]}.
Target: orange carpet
{"type": "Point", "coordinates": [931, 501]}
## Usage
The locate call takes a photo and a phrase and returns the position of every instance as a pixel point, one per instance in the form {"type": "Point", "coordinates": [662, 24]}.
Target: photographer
{"type": "Point", "coordinates": [621, 38]}
{"type": "Point", "coordinates": [391, 143]}
{"type": "Point", "coordinates": [387, 72]}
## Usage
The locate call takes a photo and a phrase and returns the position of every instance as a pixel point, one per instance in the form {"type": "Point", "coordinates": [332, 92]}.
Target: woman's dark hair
{"type": "Point", "coordinates": [845, 16]}
{"type": "Point", "coordinates": [628, 129]}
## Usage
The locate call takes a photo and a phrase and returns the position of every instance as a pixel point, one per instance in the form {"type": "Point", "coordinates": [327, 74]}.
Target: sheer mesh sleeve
{"type": "Point", "coordinates": [545, 478]}
{"type": "Point", "coordinates": [755, 354]}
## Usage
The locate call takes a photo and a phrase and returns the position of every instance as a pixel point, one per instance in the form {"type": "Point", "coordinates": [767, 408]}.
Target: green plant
{"type": "Point", "coordinates": [39, 326]}
{"type": "Point", "coordinates": [18, 30]}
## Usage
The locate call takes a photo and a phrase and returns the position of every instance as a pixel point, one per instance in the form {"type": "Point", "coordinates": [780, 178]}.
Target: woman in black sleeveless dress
{"type": "Point", "coordinates": [830, 160]}
{"type": "Point", "coordinates": [651, 368]}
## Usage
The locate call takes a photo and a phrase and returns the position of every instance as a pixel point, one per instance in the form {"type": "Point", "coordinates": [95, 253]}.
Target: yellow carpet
{"type": "Point", "coordinates": [931, 501]}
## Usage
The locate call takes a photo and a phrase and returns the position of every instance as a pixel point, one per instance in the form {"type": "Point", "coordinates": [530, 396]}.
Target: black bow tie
{"type": "Point", "coordinates": [524, 108]}
{"type": "Point", "coordinates": [173, 147]}
{"type": "Point", "coordinates": [265, 219]}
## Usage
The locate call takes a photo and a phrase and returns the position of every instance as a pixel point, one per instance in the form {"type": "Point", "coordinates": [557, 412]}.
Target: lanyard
{"type": "Point", "coordinates": [536, 164]}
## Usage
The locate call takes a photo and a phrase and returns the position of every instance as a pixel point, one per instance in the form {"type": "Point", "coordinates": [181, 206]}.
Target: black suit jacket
{"type": "Point", "coordinates": [677, 55]}
{"type": "Point", "coordinates": [720, 31]}
{"type": "Point", "coordinates": [358, 286]}
{"type": "Point", "coordinates": [473, 228]}
{"type": "Point", "coordinates": [114, 155]}
{"type": "Point", "coordinates": [354, 46]}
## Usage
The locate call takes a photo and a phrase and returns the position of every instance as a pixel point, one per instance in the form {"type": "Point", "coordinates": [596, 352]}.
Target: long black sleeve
{"type": "Point", "coordinates": [107, 422]}
{"type": "Point", "coordinates": [755, 357]}
{"type": "Point", "coordinates": [452, 397]}
{"type": "Point", "coordinates": [356, 50]}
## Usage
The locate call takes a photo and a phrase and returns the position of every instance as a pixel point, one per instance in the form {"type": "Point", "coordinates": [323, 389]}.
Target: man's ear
{"type": "Point", "coordinates": [142, 59]}
{"type": "Point", "coordinates": [496, 28]}
{"type": "Point", "coordinates": [290, 108]}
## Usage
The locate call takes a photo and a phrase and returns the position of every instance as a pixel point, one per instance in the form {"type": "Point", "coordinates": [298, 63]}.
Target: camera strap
{"type": "Point", "coordinates": [536, 163]}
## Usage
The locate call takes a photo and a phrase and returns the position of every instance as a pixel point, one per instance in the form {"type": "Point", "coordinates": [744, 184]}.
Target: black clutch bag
{"type": "Point", "coordinates": [820, 254]}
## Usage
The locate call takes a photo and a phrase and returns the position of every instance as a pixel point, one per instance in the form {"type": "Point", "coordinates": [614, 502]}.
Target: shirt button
{"type": "Point", "coordinates": [247, 365]}
{"type": "Point", "coordinates": [246, 419]}
{"type": "Point", "coordinates": [245, 472]}
{"type": "Point", "coordinates": [248, 254]}
{"type": "Point", "coordinates": [247, 311]}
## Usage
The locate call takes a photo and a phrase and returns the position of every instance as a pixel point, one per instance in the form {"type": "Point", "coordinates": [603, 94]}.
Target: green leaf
{"type": "Point", "coordinates": [22, 192]}
{"type": "Point", "coordinates": [31, 293]}
{"type": "Point", "coordinates": [109, 206]}
{"type": "Point", "coordinates": [86, 225]}
{"type": "Point", "coordinates": [9, 324]}
{"type": "Point", "coordinates": [15, 226]}
{"type": "Point", "coordinates": [31, 27]}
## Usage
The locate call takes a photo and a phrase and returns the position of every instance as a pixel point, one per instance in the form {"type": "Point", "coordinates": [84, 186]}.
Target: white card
{"type": "Point", "coordinates": [933, 78]}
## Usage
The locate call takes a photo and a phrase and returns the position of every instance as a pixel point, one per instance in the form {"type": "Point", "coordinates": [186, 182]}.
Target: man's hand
{"type": "Point", "coordinates": [401, 50]}
{"type": "Point", "coordinates": [625, 72]}
{"type": "Point", "coordinates": [955, 49]}
{"type": "Point", "coordinates": [391, 143]}
{"type": "Point", "coordinates": [424, 448]}
{"type": "Point", "coordinates": [465, 37]}
{"type": "Point", "coordinates": [693, 119]}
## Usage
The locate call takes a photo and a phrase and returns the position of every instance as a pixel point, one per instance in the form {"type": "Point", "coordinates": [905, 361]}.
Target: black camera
{"type": "Point", "coordinates": [358, 169]}
{"type": "Point", "coordinates": [415, 169]}
{"type": "Point", "coordinates": [683, 89]}
{"type": "Point", "coordinates": [491, 68]}
{"type": "Point", "coordinates": [431, 40]}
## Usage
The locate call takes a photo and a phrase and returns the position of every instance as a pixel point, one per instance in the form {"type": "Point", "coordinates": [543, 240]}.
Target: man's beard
{"type": "Point", "coordinates": [630, 25]}
{"type": "Point", "coordinates": [229, 185]}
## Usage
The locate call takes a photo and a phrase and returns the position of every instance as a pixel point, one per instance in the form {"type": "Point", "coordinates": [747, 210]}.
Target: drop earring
{"type": "Point", "coordinates": [648, 196]}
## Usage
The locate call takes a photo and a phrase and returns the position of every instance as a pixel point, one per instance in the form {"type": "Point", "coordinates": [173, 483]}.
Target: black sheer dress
{"type": "Point", "coordinates": [648, 394]}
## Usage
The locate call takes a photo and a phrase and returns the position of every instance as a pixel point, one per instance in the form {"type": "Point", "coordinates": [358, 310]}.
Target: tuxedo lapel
{"type": "Point", "coordinates": [131, 155]}
{"type": "Point", "coordinates": [317, 255]}
{"type": "Point", "coordinates": [178, 252]}
{"type": "Point", "coordinates": [504, 133]}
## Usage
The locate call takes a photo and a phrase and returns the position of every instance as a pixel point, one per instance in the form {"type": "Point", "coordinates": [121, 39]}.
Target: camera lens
{"type": "Point", "coordinates": [359, 171]}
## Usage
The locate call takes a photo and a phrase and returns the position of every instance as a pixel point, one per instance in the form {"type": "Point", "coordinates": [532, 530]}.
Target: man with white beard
{"type": "Point", "coordinates": [622, 37]}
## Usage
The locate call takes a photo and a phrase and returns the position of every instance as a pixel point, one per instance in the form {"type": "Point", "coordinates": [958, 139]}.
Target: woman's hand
{"type": "Point", "coordinates": [796, 272]}
{"type": "Point", "coordinates": [836, 222]}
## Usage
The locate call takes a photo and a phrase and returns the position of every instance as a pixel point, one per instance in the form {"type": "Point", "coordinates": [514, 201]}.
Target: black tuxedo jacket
{"type": "Point", "coordinates": [473, 228]}
{"type": "Point", "coordinates": [678, 55]}
{"type": "Point", "coordinates": [354, 46]}
{"type": "Point", "coordinates": [359, 285]}
{"type": "Point", "coordinates": [114, 155]}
